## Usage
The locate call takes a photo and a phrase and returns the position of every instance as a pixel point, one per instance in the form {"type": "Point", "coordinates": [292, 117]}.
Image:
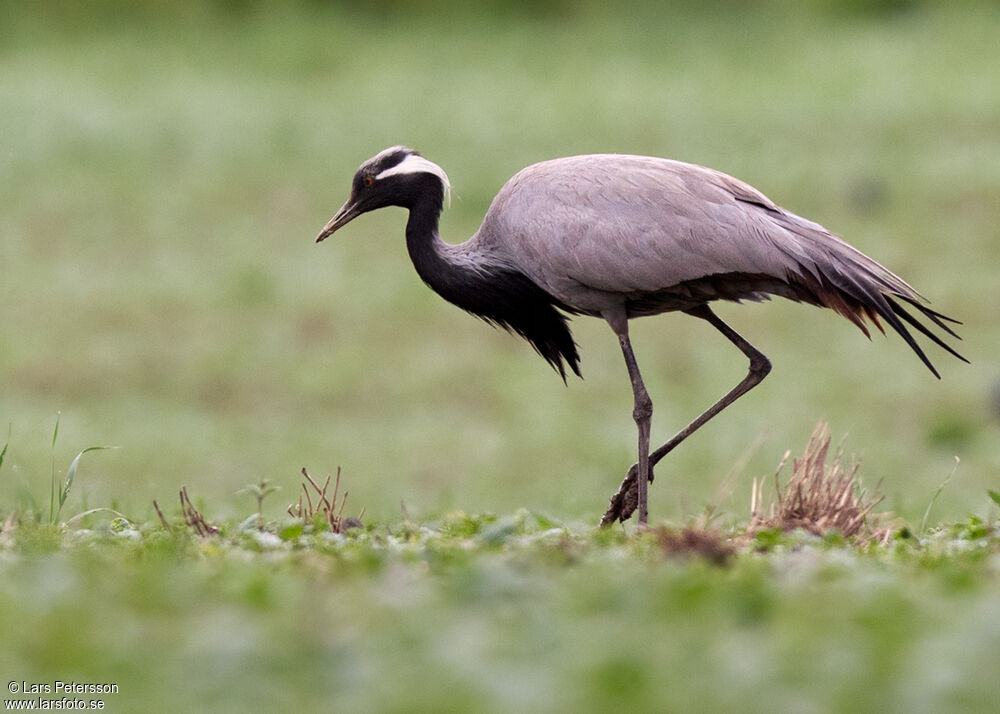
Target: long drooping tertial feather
{"type": "Point", "coordinates": [857, 287]}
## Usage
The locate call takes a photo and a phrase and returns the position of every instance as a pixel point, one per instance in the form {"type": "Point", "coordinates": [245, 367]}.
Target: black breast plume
{"type": "Point", "coordinates": [511, 300]}
{"type": "Point", "coordinates": [488, 288]}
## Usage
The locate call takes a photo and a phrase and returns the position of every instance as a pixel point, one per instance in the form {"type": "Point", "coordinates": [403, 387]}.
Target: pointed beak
{"type": "Point", "coordinates": [347, 213]}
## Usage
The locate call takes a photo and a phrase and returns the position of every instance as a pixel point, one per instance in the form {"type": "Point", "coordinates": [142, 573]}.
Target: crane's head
{"type": "Point", "coordinates": [397, 176]}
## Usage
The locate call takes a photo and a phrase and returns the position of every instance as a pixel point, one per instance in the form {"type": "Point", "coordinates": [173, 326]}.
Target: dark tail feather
{"type": "Point", "coordinates": [888, 311]}
{"type": "Point", "coordinates": [898, 309]}
{"type": "Point", "coordinates": [861, 296]}
{"type": "Point", "coordinates": [829, 272]}
{"type": "Point", "coordinates": [936, 317]}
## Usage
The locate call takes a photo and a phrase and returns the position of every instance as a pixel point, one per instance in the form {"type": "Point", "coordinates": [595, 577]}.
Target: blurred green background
{"type": "Point", "coordinates": [165, 167]}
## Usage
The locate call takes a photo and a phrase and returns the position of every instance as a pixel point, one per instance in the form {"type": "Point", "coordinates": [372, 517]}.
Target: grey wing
{"type": "Point", "coordinates": [595, 229]}
{"type": "Point", "coordinates": [625, 224]}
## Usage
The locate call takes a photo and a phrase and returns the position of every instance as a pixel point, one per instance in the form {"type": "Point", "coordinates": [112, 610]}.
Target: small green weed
{"type": "Point", "coordinates": [937, 493]}
{"type": "Point", "coordinates": [260, 491]}
{"type": "Point", "coordinates": [59, 489]}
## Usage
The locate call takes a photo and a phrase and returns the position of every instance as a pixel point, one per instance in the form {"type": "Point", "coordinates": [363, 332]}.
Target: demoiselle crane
{"type": "Point", "coordinates": [619, 236]}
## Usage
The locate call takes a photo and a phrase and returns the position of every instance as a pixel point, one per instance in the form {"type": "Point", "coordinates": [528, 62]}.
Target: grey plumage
{"type": "Point", "coordinates": [618, 236]}
{"type": "Point", "coordinates": [661, 235]}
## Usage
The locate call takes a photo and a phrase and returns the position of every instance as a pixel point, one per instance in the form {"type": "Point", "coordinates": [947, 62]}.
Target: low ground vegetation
{"type": "Point", "coordinates": [807, 601]}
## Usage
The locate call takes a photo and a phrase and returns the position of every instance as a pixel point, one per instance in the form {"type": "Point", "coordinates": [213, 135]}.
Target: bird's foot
{"type": "Point", "coordinates": [626, 500]}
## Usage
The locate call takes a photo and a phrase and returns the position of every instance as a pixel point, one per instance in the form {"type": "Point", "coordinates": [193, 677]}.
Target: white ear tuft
{"type": "Point", "coordinates": [416, 164]}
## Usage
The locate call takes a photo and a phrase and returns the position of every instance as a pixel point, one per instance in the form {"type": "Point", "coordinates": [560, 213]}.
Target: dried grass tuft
{"type": "Point", "coordinates": [819, 497]}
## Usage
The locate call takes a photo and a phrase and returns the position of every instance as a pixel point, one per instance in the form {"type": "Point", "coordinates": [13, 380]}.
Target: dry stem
{"type": "Point", "coordinates": [193, 518]}
{"type": "Point", "coordinates": [332, 513]}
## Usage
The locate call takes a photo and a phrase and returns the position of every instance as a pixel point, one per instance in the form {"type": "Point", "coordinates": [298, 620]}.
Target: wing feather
{"type": "Point", "coordinates": [627, 224]}
{"type": "Point", "coordinates": [593, 230]}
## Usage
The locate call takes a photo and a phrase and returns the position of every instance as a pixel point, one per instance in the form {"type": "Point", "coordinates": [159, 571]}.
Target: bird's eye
{"type": "Point", "coordinates": [369, 181]}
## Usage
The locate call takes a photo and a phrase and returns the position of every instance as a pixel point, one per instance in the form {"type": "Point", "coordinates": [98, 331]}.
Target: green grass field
{"type": "Point", "coordinates": [499, 615]}
{"type": "Point", "coordinates": [163, 173]}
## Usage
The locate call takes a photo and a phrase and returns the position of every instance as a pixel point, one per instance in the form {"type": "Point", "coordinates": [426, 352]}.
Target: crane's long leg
{"type": "Point", "coordinates": [624, 502]}
{"type": "Point", "coordinates": [642, 412]}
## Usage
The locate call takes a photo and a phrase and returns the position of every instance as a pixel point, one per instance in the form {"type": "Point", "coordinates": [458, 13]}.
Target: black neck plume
{"type": "Point", "coordinates": [500, 294]}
